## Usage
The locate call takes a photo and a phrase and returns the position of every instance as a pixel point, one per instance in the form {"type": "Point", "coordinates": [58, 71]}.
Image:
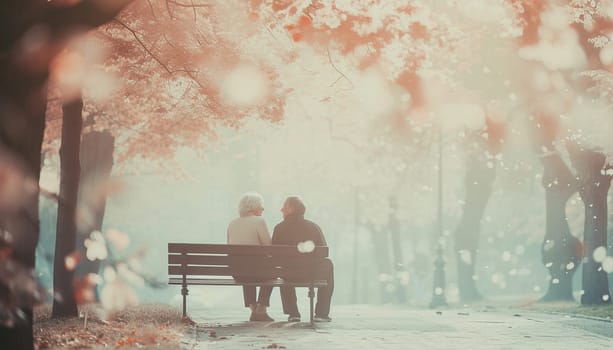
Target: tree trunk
{"type": "Point", "coordinates": [561, 251]}
{"type": "Point", "coordinates": [398, 259]}
{"type": "Point", "coordinates": [593, 188]}
{"type": "Point", "coordinates": [96, 163]}
{"type": "Point", "coordinates": [64, 304]}
{"type": "Point", "coordinates": [382, 260]}
{"type": "Point", "coordinates": [479, 180]}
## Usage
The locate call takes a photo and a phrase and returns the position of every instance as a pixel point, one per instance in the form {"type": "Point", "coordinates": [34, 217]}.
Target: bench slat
{"type": "Point", "coordinates": [252, 260]}
{"type": "Point", "coordinates": [234, 249]}
{"type": "Point", "coordinates": [198, 259]}
{"type": "Point", "coordinates": [256, 271]}
{"type": "Point", "coordinates": [232, 282]}
{"type": "Point", "coordinates": [200, 270]}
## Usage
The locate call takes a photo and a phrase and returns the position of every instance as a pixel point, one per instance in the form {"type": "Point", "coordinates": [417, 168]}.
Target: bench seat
{"type": "Point", "coordinates": [232, 282]}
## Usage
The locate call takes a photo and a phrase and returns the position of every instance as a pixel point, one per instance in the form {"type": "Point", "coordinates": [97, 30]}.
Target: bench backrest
{"type": "Point", "coordinates": [244, 261]}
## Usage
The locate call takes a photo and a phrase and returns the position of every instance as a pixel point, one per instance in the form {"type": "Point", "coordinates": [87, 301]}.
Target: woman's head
{"type": "Point", "coordinates": [251, 203]}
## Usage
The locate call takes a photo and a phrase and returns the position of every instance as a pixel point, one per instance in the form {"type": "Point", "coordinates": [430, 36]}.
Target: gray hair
{"type": "Point", "coordinates": [249, 202]}
{"type": "Point", "coordinates": [297, 204]}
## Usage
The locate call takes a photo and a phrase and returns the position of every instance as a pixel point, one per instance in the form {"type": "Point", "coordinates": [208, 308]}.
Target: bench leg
{"type": "Point", "coordinates": [311, 296]}
{"type": "Point", "coordinates": [184, 292]}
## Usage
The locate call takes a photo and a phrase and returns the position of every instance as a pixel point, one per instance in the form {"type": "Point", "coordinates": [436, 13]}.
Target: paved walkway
{"type": "Point", "coordinates": [389, 327]}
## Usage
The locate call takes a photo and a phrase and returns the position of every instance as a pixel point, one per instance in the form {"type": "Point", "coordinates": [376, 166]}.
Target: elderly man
{"type": "Point", "coordinates": [293, 230]}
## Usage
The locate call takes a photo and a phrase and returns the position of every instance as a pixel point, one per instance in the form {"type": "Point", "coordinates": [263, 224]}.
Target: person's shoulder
{"type": "Point", "coordinates": [280, 225]}
{"type": "Point", "coordinates": [257, 218]}
{"type": "Point", "coordinates": [234, 221]}
{"type": "Point", "coordinates": [249, 218]}
{"type": "Point", "coordinates": [312, 224]}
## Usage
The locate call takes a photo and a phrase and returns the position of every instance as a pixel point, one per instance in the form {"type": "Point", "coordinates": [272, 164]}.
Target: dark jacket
{"type": "Point", "coordinates": [295, 229]}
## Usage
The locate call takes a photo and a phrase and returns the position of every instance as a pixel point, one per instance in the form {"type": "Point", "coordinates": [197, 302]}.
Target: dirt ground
{"type": "Point", "coordinates": [143, 326]}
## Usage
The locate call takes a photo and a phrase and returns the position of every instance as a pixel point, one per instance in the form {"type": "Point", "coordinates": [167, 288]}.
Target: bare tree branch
{"type": "Point", "coordinates": [135, 34]}
{"type": "Point", "coordinates": [151, 8]}
{"type": "Point", "coordinates": [194, 8]}
{"type": "Point", "coordinates": [192, 5]}
{"type": "Point", "coordinates": [338, 70]}
{"type": "Point", "coordinates": [168, 10]}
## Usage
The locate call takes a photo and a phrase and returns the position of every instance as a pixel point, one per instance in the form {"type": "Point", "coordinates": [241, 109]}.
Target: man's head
{"type": "Point", "coordinates": [293, 205]}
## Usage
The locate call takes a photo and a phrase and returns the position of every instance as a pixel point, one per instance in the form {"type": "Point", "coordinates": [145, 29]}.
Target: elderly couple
{"type": "Point", "coordinates": [250, 228]}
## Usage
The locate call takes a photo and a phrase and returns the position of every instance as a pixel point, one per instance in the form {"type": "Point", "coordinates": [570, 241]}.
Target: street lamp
{"type": "Point", "coordinates": [438, 290]}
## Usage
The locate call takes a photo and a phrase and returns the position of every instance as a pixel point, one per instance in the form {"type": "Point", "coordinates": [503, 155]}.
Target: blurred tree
{"type": "Point", "coordinates": [587, 22]}
{"type": "Point", "coordinates": [592, 20]}
{"type": "Point", "coordinates": [400, 291]}
{"type": "Point", "coordinates": [594, 184]}
{"type": "Point", "coordinates": [31, 34]}
{"type": "Point", "coordinates": [96, 152]}
{"type": "Point", "coordinates": [561, 251]}
{"type": "Point", "coordinates": [479, 180]}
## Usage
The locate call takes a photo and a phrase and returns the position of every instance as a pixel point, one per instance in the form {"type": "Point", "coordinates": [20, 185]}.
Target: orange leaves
{"type": "Point", "coordinates": [412, 83]}
{"type": "Point", "coordinates": [279, 5]}
{"type": "Point", "coordinates": [296, 36]}
{"type": "Point", "coordinates": [125, 341]}
{"type": "Point", "coordinates": [418, 31]}
{"type": "Point", "coordinates": [304, 22]}
{"type": "Point", "coordinates": [530, 18]}
{"type": "Point", "coordinates": [298, 30]}
{"type": "Point", "coordinates": [145, 326]}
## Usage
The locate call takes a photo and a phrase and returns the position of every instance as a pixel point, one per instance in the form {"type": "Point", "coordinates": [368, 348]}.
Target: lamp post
{"type": "Point", "coordinates": [438, 290]}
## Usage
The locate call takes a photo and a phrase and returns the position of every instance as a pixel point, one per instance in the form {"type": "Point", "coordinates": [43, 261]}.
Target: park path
{"type": "Point", "coordinates": [392, 327]}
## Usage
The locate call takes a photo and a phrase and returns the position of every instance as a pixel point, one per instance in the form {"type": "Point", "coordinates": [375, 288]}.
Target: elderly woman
{"type": "Point", "coordinates": [251, 229]}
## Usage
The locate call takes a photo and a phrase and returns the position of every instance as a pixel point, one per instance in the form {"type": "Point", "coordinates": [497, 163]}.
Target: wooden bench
{"type": "Point", "coordinates": [217, 264]}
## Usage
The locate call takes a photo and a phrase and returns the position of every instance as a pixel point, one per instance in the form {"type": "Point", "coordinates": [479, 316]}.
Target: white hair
{"type": "Point", "coordinates": [249, 202]}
